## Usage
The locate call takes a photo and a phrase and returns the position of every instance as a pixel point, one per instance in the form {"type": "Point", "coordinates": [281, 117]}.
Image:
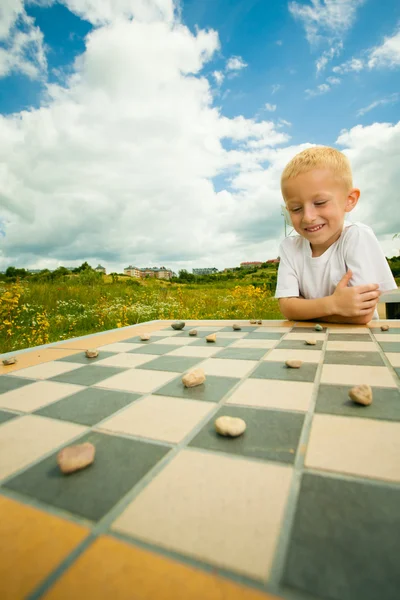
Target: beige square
{"type": "Point", "coordinates": [345, 329]}
{"type": "Point", "coordinates": [392, 337]}
{"type": "Point", "coordinates": [393, 358]}
{"type": "Point", "coordinates": [254, 343]}
{"type": "Point", "coordinates": [283, 354]}
{"type": "Point", "coordinates": [126, 360]}
{"type": "Point", "coordinates": [356, 375]}
{"type": "Point", "coordinates": [227, 367]}
{"type": "Point", "coordinates": [35, 395]}
{"type": "Point", "coordinates": [24, 440]}
{"type": "Point", "coordinates": [364, 447]}
{"type": "Point", "coordinates": [200, 351]}
{"type": "Point", "coordinates": [271, 393]}
{"type": "Point", "coordinates": [232, 334]}
{"type": "Point", "coordinates": [303, 336]}
{"type": "Point", "coordinates": [137, 380]}
{"type": "Point", "coordinates": [176, 341]}
{"type": "Point", "coordinates": [271, 330]}
{"type": "Point", "coordinates": [119, 347]}
{"type": "Point", "coordinates": [47, 370]}
{"type": "Point", "coordinates": [367, 346]}
{"type": "Point", "coordinates": [223, 510]}
{"type": "Point", "coordinates": [159, 417]}
{"type": "Point", "coordinates": [165, 333]}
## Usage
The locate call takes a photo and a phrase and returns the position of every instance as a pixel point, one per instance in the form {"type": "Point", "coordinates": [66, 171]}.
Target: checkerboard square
{"type": "Point", "coordinates": [308, 330]}
{"type": "Point", "coordinates": [9, 382]}
{"type": "Point", "coordinates": [269, 435]}
{"type": "Point", "coordinates": [393, 358]}
{"type": "Point", "coordinates": [199, 517]}
{"type": "Point", "coordinates": [165, 333]}
{"type": "Point", "coordinates": [81, 358]}
{"type": "Point", "coordinates": [30, 437]}
{"type": "Point", "coordinates": [137, 380]}
{"type": "Point", "coordinates": [6, 416]}
{"type": "Point", "coordinates": [177, 364]}
{"type": "Point", "coordinates": [356, 374]}
{"type": "Point", "coordinates": [263, 335]}
{"type": "Point", "coordinates": [117, 347]}
{"type": "Point", "coordinates": [334, 400]}
{"type": "Point", "coordinates": [349, 337]}
{"type": "Point", "coordinates": [372, 359]}
{"type": "Point", "coordinates": [161, 418]}
{"type": "Point", "coordinates": [175, 341]}
{"type": "Point", "coordinates": [387, 336]}
{"type": "Point", "coordinates": [234, 335]}
{"type": "Point", "coordinates": [195, 351]}
{"type": "Point", "coordinates": [255, 344]}
{"type": "Point", "coordinates": [339, 526]}
{"type": "Point", "coordinates": [310, 356]}
{"type": "Point", "coordinates": [226, 367]}
{"type": "Point", "coordinates": [245, 328]}
{"type": "Point", "coordinates": [220, 342]}
{"type": "Point", "coordinates": [300, 337]}
{"type": "Point", "coordinates": [213, 390]}
{"type": "Point", "coordinates": [88, 375]}
{"type": "Point", "coordinates": [89, 406]}
{"type": "Point", "coordinates": [120, 463]}
{"type": "Point", "coordinates": [47, 370]}
{"type": "Point", "coordinates": [299, 345]}
{"type": "Point", "coordinates": [278, 370]}
{"type": "Point", "coordinates": [36, 395]}
{"type": "Point", "coordinates": [390, 346]}
{"type": "Point", "coordinates": [153, 349]}
{"type": "Point", "coordinates": [363, 447]}
{"type": "Point", "coordinates": [241, 353]}
{"type": "Point", "coordinates": [368, 346]}
{"type": "Point", "coordinates": [272, 393]}
{"type": "Point", "coordinates": [126, 360]}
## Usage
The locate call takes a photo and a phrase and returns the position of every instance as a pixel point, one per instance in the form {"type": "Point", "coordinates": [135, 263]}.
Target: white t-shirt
{"type": "Point", "coordinates": [301, 274]}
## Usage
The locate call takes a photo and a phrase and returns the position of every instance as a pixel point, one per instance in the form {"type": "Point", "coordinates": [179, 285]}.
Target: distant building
{"type": "Point", "coordinates": [156, 272]}
{"type": "Point", "coordinates": [205, 271]}
{"type": "Point", "coordinates": [273, 261]}
{"type": "Point", "coordinates": [100, 269]}
{"type": "Point", "coordinates": [249, 265]}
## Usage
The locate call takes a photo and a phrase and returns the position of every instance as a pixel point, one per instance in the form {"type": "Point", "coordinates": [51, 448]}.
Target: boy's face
{"type": "Point", "coordinates": [317, 202]}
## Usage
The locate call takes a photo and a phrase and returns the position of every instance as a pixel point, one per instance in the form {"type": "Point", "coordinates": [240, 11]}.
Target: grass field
{"type": "Point", "coordinates": [34, 313]}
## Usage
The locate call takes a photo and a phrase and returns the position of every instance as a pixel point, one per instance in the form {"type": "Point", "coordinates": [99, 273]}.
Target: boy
{"type": "Point", "coordinates": [333, 270]}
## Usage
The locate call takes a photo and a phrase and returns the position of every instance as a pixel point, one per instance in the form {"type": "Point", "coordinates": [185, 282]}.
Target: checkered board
{"type": "Point", "coordinates": [304, 505]}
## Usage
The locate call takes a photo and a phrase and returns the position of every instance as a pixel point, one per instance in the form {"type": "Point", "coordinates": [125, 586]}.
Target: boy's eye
{"type": "Point", "coordinates": [320, 202]}
{"type": "Point", "coordinates": [295, 209]}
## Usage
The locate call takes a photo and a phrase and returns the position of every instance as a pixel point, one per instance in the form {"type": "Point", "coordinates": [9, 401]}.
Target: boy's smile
{"type": "Point", "coordinates": [317, 202]}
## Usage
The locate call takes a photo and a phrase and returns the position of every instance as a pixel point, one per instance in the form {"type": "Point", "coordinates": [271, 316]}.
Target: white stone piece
{"type": "Point", "coordinates": [212, 337]}
{"type": "Point", "coordinates": [193, 378]}
{"type": "Point", "coordinates": [293, 364]}
{"type": "Point", "coordinates": [230, 426]}
{"type": "Point", "coordinates": [145, 337]}
{"type": "Point", "coordinates": [92, 353]}
{"type": "Point", "coordinates": [361, 394]}
{"type": "Point", "coordinates": [75, 458]}
{"type": "Point", "coordinates": [9, 361]}
{"type": "Point", "coordinates": [193, 332]}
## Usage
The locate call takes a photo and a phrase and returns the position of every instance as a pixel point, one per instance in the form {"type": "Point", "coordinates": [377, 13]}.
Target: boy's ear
{"type": "Point", "coordinates": [352, 199]}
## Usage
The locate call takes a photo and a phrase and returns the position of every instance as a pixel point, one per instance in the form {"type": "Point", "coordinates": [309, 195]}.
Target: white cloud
{"type": "Point", "coordinates": [275, 88]}
{"type": "Point", "coordinates": [323, 18]}
{"type": "Point", "coordinates": [382, 102]}
{"type": "Point", "coordinates": [219, 77]}
{"type": "Point", "coordinates": [323, 88]}
{"type": "Point", "coordinates": [328, 55]}
{"type": "Point", "coordinates": [235, 63]}
{"type": "Point", "coordinates": [333, 80]}
{"type": "Point", "coordinates": [270, 107]}
{"type": "Point", "coordinates": [387, 54]}
{"type": "Point", "coordinates": [100, 12]}
{"type": "Point", "coordinates": [354, 64]}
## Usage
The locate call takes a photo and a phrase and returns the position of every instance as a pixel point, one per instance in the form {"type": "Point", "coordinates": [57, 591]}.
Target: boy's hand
{"type": "Point", "coordinates": [354, 301]}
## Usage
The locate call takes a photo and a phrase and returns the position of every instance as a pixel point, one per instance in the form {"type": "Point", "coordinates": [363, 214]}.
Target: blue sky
{"type": "Point", "coordinates": [208, 101]}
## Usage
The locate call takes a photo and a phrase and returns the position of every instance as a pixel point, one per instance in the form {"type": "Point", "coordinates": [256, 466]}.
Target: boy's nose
{"type": "Point", "coordinates": [309, 214]}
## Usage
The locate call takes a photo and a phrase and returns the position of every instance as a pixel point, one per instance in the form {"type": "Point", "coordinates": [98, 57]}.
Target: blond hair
{"type": "Point", "coordinates": [319, 157]}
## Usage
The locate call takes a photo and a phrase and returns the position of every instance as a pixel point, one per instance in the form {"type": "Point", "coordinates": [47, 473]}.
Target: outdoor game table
{"type": "Point", "coordinates": [304, 505]}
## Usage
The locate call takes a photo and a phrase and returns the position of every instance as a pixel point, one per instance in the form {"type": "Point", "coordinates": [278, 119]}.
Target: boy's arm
{"type": "Point", "coordinates": [346, 305]}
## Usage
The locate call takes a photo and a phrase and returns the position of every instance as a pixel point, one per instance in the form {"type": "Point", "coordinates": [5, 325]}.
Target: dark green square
{"type": "Point", "coordinates": [398, 371]}
{"type": "Point", "coordinates": [334, 400]}
{"type": "Point", "coordinates": [345, 540]}
{"type": "Point", "coordinates": [349, 337]}
{"type": "Point", "coordinates": [119, 464]}
{"type": "Point", "coordinates": [200, 333]}
{"type": "Point", "coordinates": [213, 390]}
{"type": "Point", "coordinates": [395, 330]}
{"type": "Point", "coordinates": [270, 434]}
{"type": "Point", "coordinates": [299, 345]}
{"type": "Point", "coordinates": [242, 353]}
{"type": "Point", "coordinates": [242, 328]}
{"type": "Point", "coordinates": [9, 383]}
{"type": "Point", "coordinates": [82, 359]}
{"type": "Point", "coordinates": [267, 335]}
{"type": "Point", "coordinates": [308, 329]}
{"type": "Point", "coordinates": [6, 416]}
{"type": "Point", "coordinates": [137, 340]}
{"type": "Point", "coordinates": [89, 406]}
{"type": "Point", "coordinates": [220, 343]}
{"type": "Point", "coordinates": [390, 346]}
{"type": "Point", "coordinates": [369, 359]}
{"type": "Point", "coordinates": [278, 370]}
{"type": "Point", "coordinates": [179, 364]}
{"type": "Point", "coordinates": [88, 375]}
{"type": "Point", "coordinates": [153, 349]}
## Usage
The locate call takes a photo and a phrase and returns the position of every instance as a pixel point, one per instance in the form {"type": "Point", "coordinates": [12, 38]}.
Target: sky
{"type": "Point", "coordinates": [154, 132]}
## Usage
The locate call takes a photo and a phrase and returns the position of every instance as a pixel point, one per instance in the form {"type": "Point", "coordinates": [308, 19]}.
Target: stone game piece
{"type": "Point", "coordinates": [145, 337]}
{"type": "Point", "coordinates": [384, 327]}
{"type": "Point", "coordinates": [193, 378]}
{"type": "Point", "coordinates": [193, 332]}
{"type": "Point", "coordinates": [75, 458]}
{"type": "Point", "coordinates": [361, 394]}
{"type": "Point", "coordinates": [318, 327]}
{"type": "Point", "coordinates": [293, 364]}
{"type": "Point", "coordinates": [230, 426]}
{"type": "Point", "coordinates": [212, 337]}
{"type": "Point", "coordinates": [178, 325]}
{"type": "Point", "coordinates": [259, 322]}
{"type": "Point", "coordinates": [311, 342]}
{"type": "Point", "coordinates": [9, 361]}
{"type": "Point", "coordinates": [92, 353]}
{"type": "Point", "coordinates": [236, 327]}
{"type": "Point", "coordinates": [253, 322]}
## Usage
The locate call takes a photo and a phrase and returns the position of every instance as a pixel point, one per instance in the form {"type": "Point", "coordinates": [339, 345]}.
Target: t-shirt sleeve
{"type": "Point", "coordinates": [288, 284]}
{"type": "Point", "coordinates": [364, 256]}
